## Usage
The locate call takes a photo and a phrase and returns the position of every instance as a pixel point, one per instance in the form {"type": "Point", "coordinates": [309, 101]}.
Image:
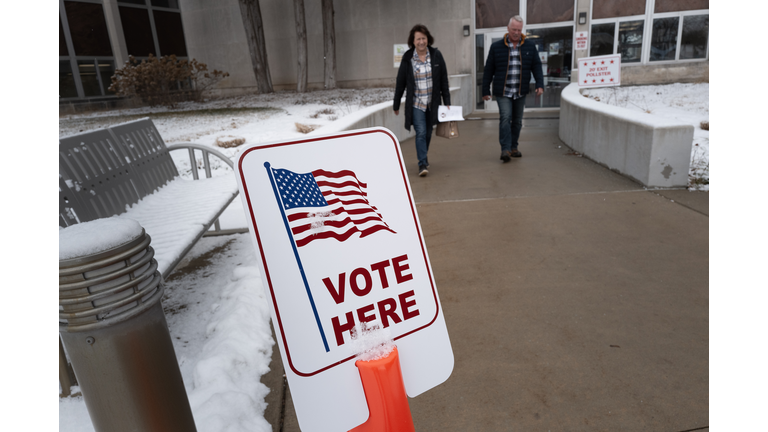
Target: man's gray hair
{"type": "Point", "coordinates": [516, 18]}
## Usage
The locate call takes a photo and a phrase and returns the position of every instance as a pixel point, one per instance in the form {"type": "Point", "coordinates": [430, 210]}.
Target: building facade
{"type": "Point", "coordinates": [659, 41]}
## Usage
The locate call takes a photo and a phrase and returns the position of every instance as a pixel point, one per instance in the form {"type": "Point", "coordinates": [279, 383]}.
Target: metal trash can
{"type": "Point", "coordinates": [113, 327]}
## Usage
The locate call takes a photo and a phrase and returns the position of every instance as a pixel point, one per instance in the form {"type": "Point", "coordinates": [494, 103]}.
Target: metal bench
{"type": "Point", "coordinates": [126, 171]}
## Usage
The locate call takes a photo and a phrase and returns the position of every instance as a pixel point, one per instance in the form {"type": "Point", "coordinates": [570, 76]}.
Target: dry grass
{"type": "Point", "coordinates": [326, 111]}
{"type": "Point", "coordinates": [305, 129]}
{"type": "Point", "coordinates": [705, 125]}
{"type": "Point", "coordinates": [229, 141]}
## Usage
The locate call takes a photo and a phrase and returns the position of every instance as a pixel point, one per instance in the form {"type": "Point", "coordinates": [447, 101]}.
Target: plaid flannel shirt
{"type": "Point", "coordinates": [512, 86]}
{"type": "Point", "coordinates": [422, 74]}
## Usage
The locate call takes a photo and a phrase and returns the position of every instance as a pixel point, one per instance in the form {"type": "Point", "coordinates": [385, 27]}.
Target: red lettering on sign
{"type": "Point", "coordinates": [362, 317]}
{"type": "Point", "coordinates": [405, 305]}
{"type": "Point", "coordinates": [339, 329]}
{"type": "Point", "coordinates": [399, 269]}
{"type": "Point", "coordinates": [338, 295]}
{"type": "Point", "coordinates": [387, 315]}
{"type": "Point", "coordinates": [353, 282]}
{"type": "Point", "coordinates": [381, 268]}
{"type": "Point", "coordinates": [387, 310]}
{"type": "Point", "coordinates": [399, 265]}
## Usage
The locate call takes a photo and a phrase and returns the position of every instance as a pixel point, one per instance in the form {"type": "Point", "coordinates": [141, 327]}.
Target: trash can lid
{"type": "Point", "coordinates": [90, 238]}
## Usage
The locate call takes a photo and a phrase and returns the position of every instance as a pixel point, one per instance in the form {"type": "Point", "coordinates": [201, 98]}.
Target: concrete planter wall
{"type": "Point", "coordinates": [652, 150]}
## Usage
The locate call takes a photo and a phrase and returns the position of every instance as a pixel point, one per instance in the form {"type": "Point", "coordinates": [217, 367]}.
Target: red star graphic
{"type": "Point", "coordinates": [602, 62]}
{"type": "Point", "coordinates": [594, 81]}
{"type": "Point", "coordinates": [585, 63]}
{"type": "Point", "coordinates": [611, 79]}
{"type": "Point", "coordinates": [602, 80]}
{"type": "Point", "coordinates": [585, 81]}
{"type": "Point", "coordinates": [594, 63]}
{"type": "Point", "coordinates": [611, 61]}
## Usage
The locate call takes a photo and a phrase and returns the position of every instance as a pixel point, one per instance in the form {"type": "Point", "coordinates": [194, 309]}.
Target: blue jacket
{"type": "Point", "coordinates": [497, 63]}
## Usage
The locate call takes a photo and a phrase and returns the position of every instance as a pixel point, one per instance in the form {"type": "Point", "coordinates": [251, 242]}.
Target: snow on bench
{"type": "Point", "coordinates": [126, 171]}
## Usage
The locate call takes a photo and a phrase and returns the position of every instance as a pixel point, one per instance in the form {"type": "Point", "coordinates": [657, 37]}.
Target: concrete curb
{"type": "Point", "coordinates": [653, 150]}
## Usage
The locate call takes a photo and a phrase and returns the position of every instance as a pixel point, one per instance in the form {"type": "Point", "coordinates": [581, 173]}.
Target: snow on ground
{"type": "Point", "coordinates": [688, 103]}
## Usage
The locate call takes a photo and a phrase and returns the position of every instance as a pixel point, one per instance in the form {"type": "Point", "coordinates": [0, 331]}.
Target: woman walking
{"type": "Point", "coordinates": [424, 78]}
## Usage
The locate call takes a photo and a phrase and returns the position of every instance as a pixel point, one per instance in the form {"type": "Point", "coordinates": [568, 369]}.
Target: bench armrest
{"type": "Point", "coordinates": [191, 147]}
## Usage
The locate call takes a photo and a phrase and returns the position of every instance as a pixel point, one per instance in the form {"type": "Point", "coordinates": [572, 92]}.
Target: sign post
{"type": "Point", "coordinates": [601, 71]}
{"type": "Point", "coordinates": [340, 248]}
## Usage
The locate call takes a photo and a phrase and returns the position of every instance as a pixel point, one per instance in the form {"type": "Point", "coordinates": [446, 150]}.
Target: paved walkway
{"type": "Point", "coordinates": [574, 298]}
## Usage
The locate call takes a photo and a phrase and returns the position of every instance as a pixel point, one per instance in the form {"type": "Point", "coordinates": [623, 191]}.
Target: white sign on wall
{"type": "Point", "coordinates": [601, 71]}
{"type": "Point", "coordinates": [581, 39]}
{"type": "Point", "coordinates": [339, 245]}
{"type": "Point", "coordinates": [400, 49]}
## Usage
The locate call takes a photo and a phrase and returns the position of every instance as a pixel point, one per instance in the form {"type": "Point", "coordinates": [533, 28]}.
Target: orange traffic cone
{"type": "Point", "coordinates": [385, 394]}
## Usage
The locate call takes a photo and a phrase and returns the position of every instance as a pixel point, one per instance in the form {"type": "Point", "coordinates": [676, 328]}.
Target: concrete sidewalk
{"type": "Point", "coordinates": [574, 298]}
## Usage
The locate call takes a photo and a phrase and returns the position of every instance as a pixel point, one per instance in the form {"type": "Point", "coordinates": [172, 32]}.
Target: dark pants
{"type": "Point", "coordinates": [510, 121]}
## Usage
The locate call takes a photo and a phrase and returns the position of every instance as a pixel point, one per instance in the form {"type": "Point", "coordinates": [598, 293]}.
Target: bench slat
{"type": "Point", "coordinates": [147, 152]}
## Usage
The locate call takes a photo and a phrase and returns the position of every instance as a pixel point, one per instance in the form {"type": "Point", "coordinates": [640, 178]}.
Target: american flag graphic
{"type": "Point", "coordinates": [324, 204]}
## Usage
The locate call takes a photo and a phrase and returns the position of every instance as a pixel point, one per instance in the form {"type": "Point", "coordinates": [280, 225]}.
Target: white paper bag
{"type": "Point", "coordinates": [454, 114]}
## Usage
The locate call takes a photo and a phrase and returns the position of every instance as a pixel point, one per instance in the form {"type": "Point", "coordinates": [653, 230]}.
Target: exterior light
{"type": "Point", "coordinates": [582, 17]}
{"type": "Point", "coordinates": [466, 30]}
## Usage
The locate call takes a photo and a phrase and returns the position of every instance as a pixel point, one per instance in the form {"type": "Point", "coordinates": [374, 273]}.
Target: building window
{"type": "Point", "coordinates": [67, 88]}
{"type": "Point", "coordinates": [170, 34]}
{"type": "Point", "coordinates": [630, 44]}
{"type": "Point", "coordinates": [88, 29]}
{"type": "Point", "coordinates": [549, 11]}
{"type": "Point", "coordinates": [679, 5]}
{"type": "Point", "coordinates": [171, 4]}
{"type": "Point", "coordinates": [618, 37]}
{"type": "Point", "coordinates": [137, 31]}
{"type": "Point", "coordinates": [95, 75]}
{"type": "Point", "coordinates": [664, 38]}
{"type": "Point", "coordinates": [617, 8]}
{"type": "Point", "coordinates": [601, 39]}
{"type": "Point", "coordinates": [679, 35]}
{"type": "Point", "coordinates": [695, 37]}
{"type": "Point", "coordinates": [152, 27]}
{"type": "Point", "coordinates": [494, 13]}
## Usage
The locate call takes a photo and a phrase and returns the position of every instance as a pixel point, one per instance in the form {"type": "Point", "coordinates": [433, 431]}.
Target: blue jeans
{"type": "Point", "coordinates": [510, 121]}
{"type": "Point", "coordinates": [422, 123]}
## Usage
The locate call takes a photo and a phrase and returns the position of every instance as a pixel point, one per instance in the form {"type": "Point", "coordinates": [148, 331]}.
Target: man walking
{"type": "Point", "coordinates": [508, 67]}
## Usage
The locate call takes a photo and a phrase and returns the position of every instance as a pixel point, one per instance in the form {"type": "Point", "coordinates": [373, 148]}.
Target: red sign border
{"type": "Point", "coordinates": [264, 259]}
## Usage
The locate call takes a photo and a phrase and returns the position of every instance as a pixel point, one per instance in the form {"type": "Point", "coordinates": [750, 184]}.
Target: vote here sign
{"type": "Point", "coordinates": [340, 247]}
{"type": "Point", "coordinates": [600, 71]}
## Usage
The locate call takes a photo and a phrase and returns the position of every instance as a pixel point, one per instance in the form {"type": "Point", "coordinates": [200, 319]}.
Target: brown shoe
{"type": "Point", "coordinates": [505, 155]}
{"type": "Point", "coordinates": [516, 153]}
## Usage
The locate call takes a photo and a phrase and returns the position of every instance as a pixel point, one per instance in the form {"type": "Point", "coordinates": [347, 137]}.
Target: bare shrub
{"type": "Point", "coordinates": [705, 125]}
{"type": "Point", "coordinates": [165, 80]}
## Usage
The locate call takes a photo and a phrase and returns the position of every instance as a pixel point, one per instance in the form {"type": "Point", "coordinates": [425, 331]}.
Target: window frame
{"type": "Point", "coordinates": [681, 15]}
{"type": "Point", "coordinates": [74, 60]}
{"type": "Point", "coordinates": [150, 8]}
{"type": "Point", "coordinates": [616, 22]}
{"type": "Point", "coordinates": [648, 19]}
